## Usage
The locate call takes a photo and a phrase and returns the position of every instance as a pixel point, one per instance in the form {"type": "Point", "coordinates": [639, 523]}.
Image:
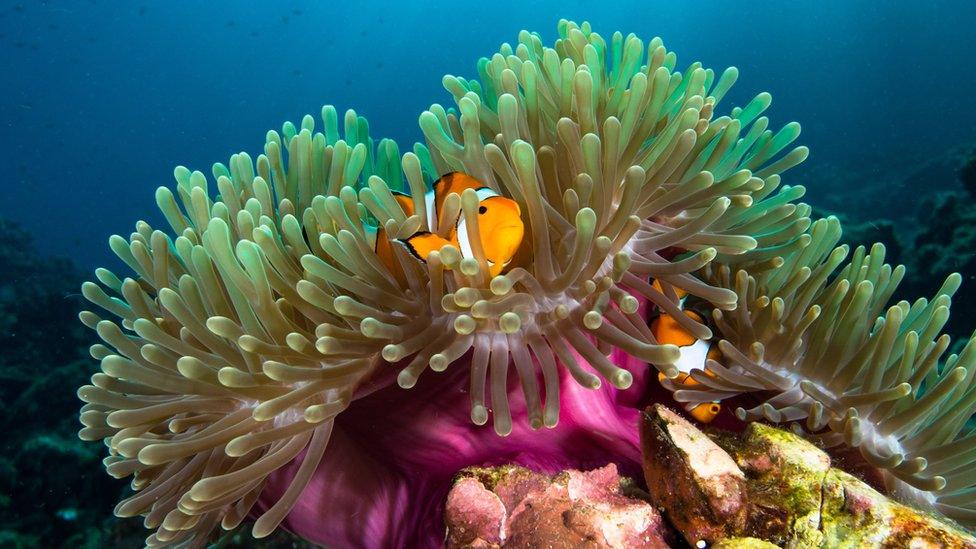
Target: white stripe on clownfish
{"type": "Point", "coordinates": [430, 202]}
{"type": "Point", "coordinates": [694, 355]}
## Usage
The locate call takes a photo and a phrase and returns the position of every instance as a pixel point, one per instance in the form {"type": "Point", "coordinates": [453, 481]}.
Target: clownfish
{"type": "Point", "coordinates": [500, 225]}
{"type": "Point", "coordinates": [694, 353]}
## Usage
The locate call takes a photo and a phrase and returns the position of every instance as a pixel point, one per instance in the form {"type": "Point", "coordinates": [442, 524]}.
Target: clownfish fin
{"type": "Point", "coordinates": [405, 201]}
{"type": "Point", "coordinates": [380, 242]}
{"type": "Point", "coordinates": [443, 180]}
{"type": "Point", "coordinates": [439, 191]}
{"type": "Point", "coordinates": [680, 293]}
{"type": "Point", "coordinates": [453, 182]}
{"type": "Point", "coordinates": [423, 243]}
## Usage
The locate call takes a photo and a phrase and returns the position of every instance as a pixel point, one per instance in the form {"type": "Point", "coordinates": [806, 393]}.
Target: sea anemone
{"type": "Point", "coordinates": [265, 324]}
{"type": "Point", "coordinates": [842, 368]}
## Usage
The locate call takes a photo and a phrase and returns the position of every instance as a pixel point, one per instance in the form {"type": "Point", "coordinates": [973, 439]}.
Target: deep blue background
{"type": "Point", "coordinates": [100, 100]}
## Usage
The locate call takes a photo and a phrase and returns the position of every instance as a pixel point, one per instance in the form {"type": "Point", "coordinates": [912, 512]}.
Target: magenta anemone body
{"type": "Point", "coordinates": [394, 452]}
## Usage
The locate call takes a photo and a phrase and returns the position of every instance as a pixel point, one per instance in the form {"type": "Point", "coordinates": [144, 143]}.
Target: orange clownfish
{"type": "Point", "coordinates": [694, 353]}
{"type": "Point", "coordinates": [499, 225]}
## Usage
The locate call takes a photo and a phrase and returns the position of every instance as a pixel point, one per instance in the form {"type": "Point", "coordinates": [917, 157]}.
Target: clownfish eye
{"type": "Point", "coordinates": [483, 209]}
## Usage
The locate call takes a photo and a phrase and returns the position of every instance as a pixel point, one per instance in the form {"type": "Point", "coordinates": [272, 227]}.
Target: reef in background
{"type": "Point", "coordinates": [49, 495]}
{"type": "Point", "coordinates": [866, 192]}
{"type": "Point", "coordinates": [933, 235]}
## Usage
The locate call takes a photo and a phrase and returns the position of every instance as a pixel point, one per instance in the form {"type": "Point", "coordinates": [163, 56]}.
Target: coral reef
{"type": "Point", "coordinates": [967, 173]}
{"type": "Point", "coordinates": [38, 301]}
{"type": "Point", "coordinates": [249, 360]}
{"type": "Point", "coordinates": [47, 495]}
{"type": "Point", "coordinates": [872, 192]}
{"type": "Point", "coordinates": [931, 235]}
{"type": "Point", "coordinates": [946, 242]}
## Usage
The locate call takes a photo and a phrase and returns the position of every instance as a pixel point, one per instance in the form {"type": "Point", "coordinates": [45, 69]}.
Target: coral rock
{"type": "Point", "coordinates": [696, 481]}
{"type": "Point", "coordinates": [475, 515]}
{"type": "Point", "coordinates": [796, 498]}
{"type": "Point", "coordinates": [511, 506]}
{"type": "Point", "coordinates": [768, 487]}
{"type": "Point", "coordinates": [781, 463]}
{"type": "Point", "coordinates": [853, 511]}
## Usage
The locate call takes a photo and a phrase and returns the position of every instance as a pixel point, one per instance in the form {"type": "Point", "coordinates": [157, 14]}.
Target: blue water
{"type": "Point", "coordinates": [100, 100]}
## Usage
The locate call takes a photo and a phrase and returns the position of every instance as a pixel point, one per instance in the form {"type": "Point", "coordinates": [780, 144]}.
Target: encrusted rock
{"type": "Point", "coordinates": [853, 511]}
{"type": "Point", "coordinates": [475, 515]}
{"type": "Point", "coordinates": [791, 469]}
{"type": "Point", "coordinates": [513, 507]}
{"type": "Point", "coordinates": [787, 491]}
{"type": "Point", "coordinates": [698, 484]}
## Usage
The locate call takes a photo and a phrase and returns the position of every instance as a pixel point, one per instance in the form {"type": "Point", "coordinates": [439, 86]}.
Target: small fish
{"type": "Point", "coordinates": [499, 225]}
{"type": "Point", "coordinates": [694, 353]}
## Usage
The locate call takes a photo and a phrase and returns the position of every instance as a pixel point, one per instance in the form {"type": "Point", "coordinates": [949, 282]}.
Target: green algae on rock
{"type": "Point", "coordinates": [791, 496]}
{"type": "Point", "coordinates": [778, 462]}
{"type": "Point", "coordinates": [743, 543]}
